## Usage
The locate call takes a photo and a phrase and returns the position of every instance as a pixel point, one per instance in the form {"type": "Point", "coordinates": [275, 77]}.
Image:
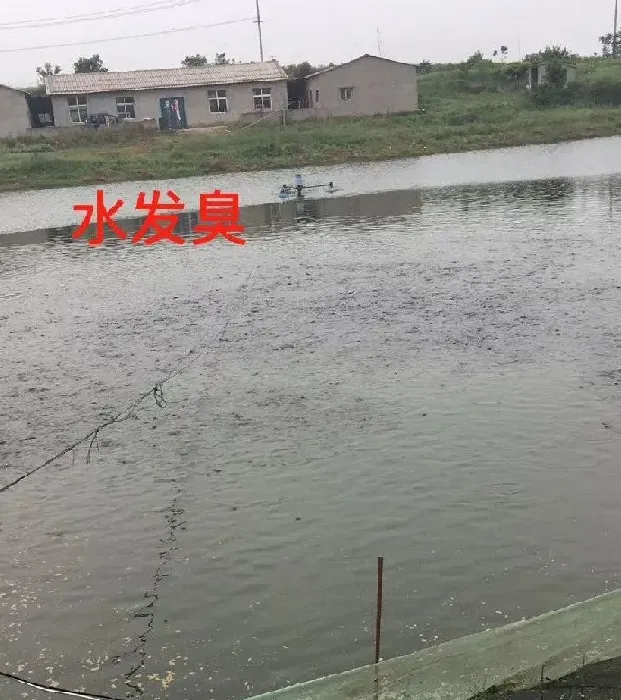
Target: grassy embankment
{"type": "Point", "coordinates": [465, 109]}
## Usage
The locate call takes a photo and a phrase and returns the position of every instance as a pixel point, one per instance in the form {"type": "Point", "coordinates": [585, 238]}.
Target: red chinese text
{"type": "Point", "coordinates": [104, 216]}
{"type": "Point", "coordinates": [162, 224]}
{"type": "Point", "coordinates": [218, 215]}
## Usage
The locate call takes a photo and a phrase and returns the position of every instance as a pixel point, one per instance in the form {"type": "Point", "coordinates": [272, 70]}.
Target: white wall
{"type": "Point", "coordinates": [14, 113]}
{"type": "Point", "coordinates": [147, 103]}
{"type": "Point", "coordinates": [379, 87]}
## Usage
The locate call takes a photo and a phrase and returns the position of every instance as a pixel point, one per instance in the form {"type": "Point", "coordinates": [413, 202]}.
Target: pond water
{"type": "Point", "coordinates": [32, 210]}
{"type": "Point", "coordinates": [428, 373]}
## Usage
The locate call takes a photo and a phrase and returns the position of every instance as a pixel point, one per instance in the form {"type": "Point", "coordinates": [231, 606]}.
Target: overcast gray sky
{"type": "Point", "coordinates": [319, 31]}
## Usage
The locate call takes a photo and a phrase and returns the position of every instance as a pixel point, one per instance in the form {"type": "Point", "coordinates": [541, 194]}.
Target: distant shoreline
{"type": "Point", "coordinates": [73, 158]}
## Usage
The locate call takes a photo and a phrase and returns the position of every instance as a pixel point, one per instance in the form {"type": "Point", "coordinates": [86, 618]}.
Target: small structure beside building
{"type": "Point", "coordinates": [176, 98]}
{"type": "Point", "coordinates": [366, 86]}
{"type": "Point", "coordinates": [14, 112]}
{"type": "Point", "coordinates": [41, 111]}
{"type": "Point", "coordinates": [537, 74]}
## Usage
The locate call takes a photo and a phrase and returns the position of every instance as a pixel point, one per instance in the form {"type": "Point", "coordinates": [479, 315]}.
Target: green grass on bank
{"type": "Point", "coordinates": [463, 110]}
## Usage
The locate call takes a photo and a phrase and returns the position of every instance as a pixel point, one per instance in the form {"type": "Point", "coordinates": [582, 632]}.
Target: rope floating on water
{"type": "Point", "coordinates": [50, 689]}
{"type": "Point", "coordinates": [155, 391]}
{"type": "Point", "coordinates": [148, 609]}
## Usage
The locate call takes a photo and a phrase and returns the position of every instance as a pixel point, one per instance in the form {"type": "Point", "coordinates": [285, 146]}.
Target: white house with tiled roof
{"type": "Point", "coordinates": [173, 97]}
{"type": "Point", "coordinates": [366, 85]}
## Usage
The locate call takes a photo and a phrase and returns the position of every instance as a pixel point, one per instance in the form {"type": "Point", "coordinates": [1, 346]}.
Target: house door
{"type": "Point", "coordinates": [173, 113]}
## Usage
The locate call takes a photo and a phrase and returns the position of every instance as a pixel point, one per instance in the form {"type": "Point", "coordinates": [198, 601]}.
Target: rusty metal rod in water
{"type": "Point", "coordinates": [378, 619]}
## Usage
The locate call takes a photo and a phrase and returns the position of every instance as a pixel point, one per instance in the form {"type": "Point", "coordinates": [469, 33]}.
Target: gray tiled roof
{"type": "Point", "coordinates": [214, 74]}
{"type": "Point", "coordinates": [366, 55]}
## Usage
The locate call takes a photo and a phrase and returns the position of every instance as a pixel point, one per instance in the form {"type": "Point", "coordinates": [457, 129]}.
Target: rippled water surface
{"type": "Point", "coordinates": [429, 375]}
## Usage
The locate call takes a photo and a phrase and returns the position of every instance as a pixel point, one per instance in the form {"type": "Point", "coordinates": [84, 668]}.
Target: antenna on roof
{"type": "Point", "coordinates": [258, 22]}
{"type": "Point", "coordinates": [379, 45]}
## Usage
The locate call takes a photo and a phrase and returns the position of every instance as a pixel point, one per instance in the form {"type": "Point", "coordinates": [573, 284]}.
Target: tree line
{"type": "Point", "coordinates": [296, 71]}
{"type": "Point", "coordinates": [609, 49]}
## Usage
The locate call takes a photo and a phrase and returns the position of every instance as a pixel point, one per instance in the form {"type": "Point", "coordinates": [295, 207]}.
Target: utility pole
{"type": "Point", "coordinates": [614, 36]}
{"type": "Point", "coordinates": [258, 21]}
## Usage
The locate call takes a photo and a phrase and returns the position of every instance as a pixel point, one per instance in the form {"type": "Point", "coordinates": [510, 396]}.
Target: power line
{"type": "Point", "coordinates": [91, 16]}
{"type": "Point", "coordinates": [90, 42]}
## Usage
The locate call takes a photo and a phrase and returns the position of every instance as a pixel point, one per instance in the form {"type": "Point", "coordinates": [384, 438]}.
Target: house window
{"type": "Point", "coordinates": [77, 109]}
{"type": "Point", "coordinates": [262, 98]}
{"type": "Point", "coordinates": [346, 93]}
{"type": "Point", "coordinates": [125, 107]}
{"type": "Point", "coordinates": [316, 95]}
{"type": "Point", "coordinates": [217, 100]}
